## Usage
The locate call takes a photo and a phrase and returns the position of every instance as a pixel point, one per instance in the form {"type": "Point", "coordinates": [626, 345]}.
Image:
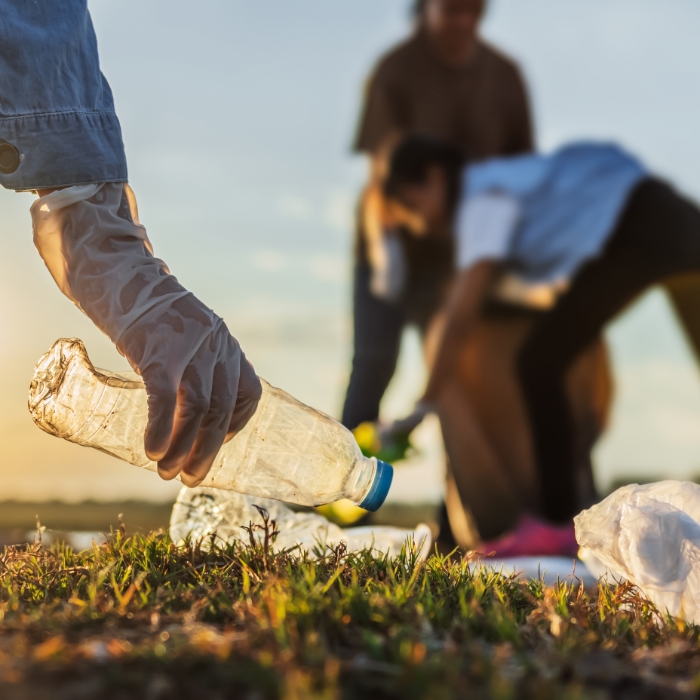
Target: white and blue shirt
{"type": "Point", "coordinates": [544, 216]}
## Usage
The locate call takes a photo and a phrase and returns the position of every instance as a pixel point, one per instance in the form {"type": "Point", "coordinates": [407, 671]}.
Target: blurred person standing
{"type": "Point", "coordinates": [445, 82]}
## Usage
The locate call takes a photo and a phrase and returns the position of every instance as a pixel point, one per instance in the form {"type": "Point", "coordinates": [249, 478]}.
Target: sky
{"type": "Point", "coordinates": [238, 117]}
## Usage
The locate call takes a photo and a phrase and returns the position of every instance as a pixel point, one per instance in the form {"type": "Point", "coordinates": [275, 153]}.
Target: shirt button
{"type": "Point", "coordinates": [9, 158]}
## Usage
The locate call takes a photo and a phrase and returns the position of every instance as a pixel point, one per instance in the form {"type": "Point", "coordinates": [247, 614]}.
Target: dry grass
{"type": "Point", "coordinates": [141, 618]}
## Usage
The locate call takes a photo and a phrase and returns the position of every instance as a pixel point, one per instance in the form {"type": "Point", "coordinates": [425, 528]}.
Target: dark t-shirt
{"type": "Point", "coordinates": [481, 107]}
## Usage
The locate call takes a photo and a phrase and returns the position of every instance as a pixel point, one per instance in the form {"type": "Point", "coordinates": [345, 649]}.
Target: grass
{"type": "Point", "coordinates": [141, 618]}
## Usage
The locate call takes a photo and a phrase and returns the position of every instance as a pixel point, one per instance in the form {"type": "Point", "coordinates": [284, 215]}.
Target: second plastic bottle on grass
{"type": "Point", "coordinates": [288, 451]}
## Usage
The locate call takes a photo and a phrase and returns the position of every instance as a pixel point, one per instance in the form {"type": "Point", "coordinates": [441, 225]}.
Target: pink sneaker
{"type": "Point", "coordinates": [533, 537]}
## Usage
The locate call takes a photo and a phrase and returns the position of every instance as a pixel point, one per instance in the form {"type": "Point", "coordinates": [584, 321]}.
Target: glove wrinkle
{"type": "Point", "coordinates": [99, 255]}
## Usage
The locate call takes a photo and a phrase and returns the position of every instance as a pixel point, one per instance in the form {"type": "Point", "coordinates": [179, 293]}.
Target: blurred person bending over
{"type": "Point", "coordinates": [60, 137]}
{"type": "Point", "coordinates": [586, 229]}
{"type": "Point", "coordinates": [444, 82]}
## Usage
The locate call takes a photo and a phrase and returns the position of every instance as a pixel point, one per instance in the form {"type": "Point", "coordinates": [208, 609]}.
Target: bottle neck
{"type": "Point", "coordinates": [361, 478]}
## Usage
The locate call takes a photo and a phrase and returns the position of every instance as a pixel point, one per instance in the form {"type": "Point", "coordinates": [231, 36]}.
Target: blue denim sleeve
{"type": "Point", "coordinates": [58, 125]}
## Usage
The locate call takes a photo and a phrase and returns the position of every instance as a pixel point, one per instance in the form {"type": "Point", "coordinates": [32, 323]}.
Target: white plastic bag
{"type": "Point", "coordinates": [650, 535]}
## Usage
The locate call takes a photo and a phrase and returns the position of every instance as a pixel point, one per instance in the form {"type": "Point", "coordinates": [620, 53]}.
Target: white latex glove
{"type": "Point", "coordinates": [200, 387]}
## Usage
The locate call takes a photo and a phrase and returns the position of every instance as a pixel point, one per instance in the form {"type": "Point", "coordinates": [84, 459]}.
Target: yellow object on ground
{"type": "Point", "coordinates": [384, 445]}
{"type": "Point", "coordinates": [367, 437]}
{"type": "Point", "coordinates": [342, 512]}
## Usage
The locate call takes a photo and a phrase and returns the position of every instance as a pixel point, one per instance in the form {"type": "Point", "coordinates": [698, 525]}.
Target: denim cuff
{"type": "Point", "coordinates": [60, 149]}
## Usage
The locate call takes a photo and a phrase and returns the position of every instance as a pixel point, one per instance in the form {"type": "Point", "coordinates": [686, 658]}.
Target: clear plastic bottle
{"type": "Point", "coordinates": [288, 451]}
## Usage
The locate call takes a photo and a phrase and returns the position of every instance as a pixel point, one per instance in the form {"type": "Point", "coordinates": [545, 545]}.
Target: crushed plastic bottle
{"type": "Point", "coordinates": [287, 451]}
{"type": "Point", "coordinates": [202, 512]}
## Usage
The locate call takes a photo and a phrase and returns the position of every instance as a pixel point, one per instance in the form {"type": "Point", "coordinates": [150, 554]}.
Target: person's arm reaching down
{"type": "Point", "coordinates": [382, 220]}
{"type": "Point", "coordinates": [484, 230]}
{"type": "Point", "coordinates": [68, 138]}
{"type": "Point", "coordinates": [200, 387]}
{"type": "Point", "coordinates": [463, 307]}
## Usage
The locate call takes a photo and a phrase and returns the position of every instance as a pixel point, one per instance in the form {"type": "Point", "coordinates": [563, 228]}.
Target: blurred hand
{"type": "Point", "coordinates": [405, 426]}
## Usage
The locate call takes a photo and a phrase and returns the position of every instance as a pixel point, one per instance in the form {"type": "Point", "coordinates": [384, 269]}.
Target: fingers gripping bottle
{"type": "Point", "coordinates": [287, 451]}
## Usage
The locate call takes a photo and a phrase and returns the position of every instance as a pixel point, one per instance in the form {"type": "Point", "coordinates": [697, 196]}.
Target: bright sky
{"type": "Point", "coordinates": [237, 117]}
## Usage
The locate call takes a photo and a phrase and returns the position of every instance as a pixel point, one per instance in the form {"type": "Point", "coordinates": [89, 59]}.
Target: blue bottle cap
{"type": "Point", "coordinates": [380, 487]}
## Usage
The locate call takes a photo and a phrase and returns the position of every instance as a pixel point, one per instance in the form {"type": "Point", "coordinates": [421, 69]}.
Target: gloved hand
{"type": "Point", "coordinates": [200, 387]}
{"type": "Point", "coordinates": [403, 427]}
{"type": "Point", "coordinates": [390, 442]}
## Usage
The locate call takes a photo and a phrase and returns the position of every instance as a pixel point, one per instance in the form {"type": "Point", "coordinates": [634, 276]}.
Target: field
{"type": "Point", "coordinates": [140, 618]}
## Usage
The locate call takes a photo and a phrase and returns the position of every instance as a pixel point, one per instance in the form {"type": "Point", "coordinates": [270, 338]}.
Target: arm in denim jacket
{"type": "Point", "coordinates": [58, 126]}
{"type": "Point", "coordinates": [59, 131]}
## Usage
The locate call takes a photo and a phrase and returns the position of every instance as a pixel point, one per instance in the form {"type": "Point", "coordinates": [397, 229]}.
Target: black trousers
{"type": "Point", "coordinates": [378, 327]}
{"type": "Point", "coordinates": [379, 324]}
{"type": "Point", "coordinates": [658, 236]}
